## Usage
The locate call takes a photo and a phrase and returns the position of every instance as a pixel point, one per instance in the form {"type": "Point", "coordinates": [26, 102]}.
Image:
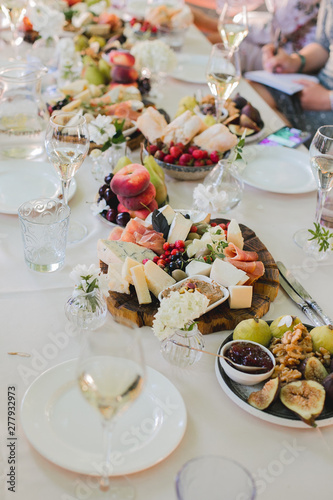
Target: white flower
{"type": "Point", "coordinates": [98, 207]}
{"type": "Point", "coordinates": [98, 8]}
{"type": "Point", "coordinates": [82, 271]}
{"type": "Point", "coordinates": [101, 129]}
{"type": "Point", "coordinates": [47, 21]}
{"type": "Point", "coordinates": [96, 153]}
{"type": "Point", "coordinates": [155, 55]}
{"type": "Point", "coordinates": [178, 310]}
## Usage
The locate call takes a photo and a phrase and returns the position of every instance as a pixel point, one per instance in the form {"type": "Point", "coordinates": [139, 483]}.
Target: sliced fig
{"type": "Point", "coordinates": [232, 119]}
{"type": "Point", "coordinates": [239, 101]}
{"type": "Point", "coordinates": [238, 130]}
{"type": "Point", "coordinates": [313, 369]}
{"type": "Point", "coordinates": [266, 396]}
{"type": "Point", "coordinates": [245, 121]}
{"type": "Point", "coordinates": [252, 113]}
{"type": "Point", "coordinates": [306, 398]}
{"type": "Point", "coordinates": [328, 385]}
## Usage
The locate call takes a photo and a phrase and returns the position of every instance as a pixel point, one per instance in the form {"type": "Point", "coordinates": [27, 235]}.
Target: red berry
{"type": "Point", "coordinates": [169, 159]}
{"type": "Point", "coordinates": [223, 226]}
{"type": "Point", "coordinates": [166, 246]}
{"type": "Point", "coordinates": [180, 145]}
{"type": "Point", "coordinates": [191, 149]}
{"type": "Point", "coordinates": [159, 155]}
{"type": "Point", "coordinates": [214, 156]}
{"type": "Point", "coordinates": [144, 261]}
{"type": "Point", "coordinates": [213, 224]}
{"type": "Point", "coordinates": [193, 229]}
{"type": "Point", "coordinates": [167, 252]}
{"type": "Point", "coordinates": [155, 259]}
{"type": "Point", "coordinates": [161, 262]}
{"type": "Point", "coordinates": [154, 29]}
{"type": "Point", "coordinates": [199, 163]}
{"type": "Point", "coordinates": [198, 154]}
{"type": "Point", "coordinates": [185, 159]}
{"type": "Point", "coordinates": [209, 162]}
{"type": "Point", "coordinates": [175, 151]}
{"type": "Point", "coordinates": [179, 244]}
{"type": "Point", "coordinates": [174, 251]}
{"type": "Point", "coordinates": [168, 260]}
{"type": "Point", "coordinates": [172, 144]}
{"type": "Point", "coordinates": [152, 149]}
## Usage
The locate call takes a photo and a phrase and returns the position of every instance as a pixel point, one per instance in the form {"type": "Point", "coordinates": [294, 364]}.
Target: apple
{"type": "Point", "coordinates": [131, 180]}
{"type": "Point", "coordinates": [140, 201]}
{"type": "Point", "coordinates": [124, 74]}
{"type": "Point", "coordinates": [122, 58]}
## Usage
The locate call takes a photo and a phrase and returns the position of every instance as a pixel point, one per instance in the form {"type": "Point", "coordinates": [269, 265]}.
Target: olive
{"type": "Point", "coordinates": [187, 216]}
{"type": "Point", "coordinates": [179, 275]}
{"type": "Point", "coordinates": [193, 236]}
{"type": "Point", "coordinates": [123, 218]}
{"type": "Point", "coordinates": [201, 228]}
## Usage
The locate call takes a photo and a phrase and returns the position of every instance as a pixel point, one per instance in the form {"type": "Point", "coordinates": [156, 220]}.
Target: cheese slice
{"type": "Point", "coordinates": [71, 105]}
{"type": "Point", "coordinates": [116, 281]}
{"type": "Point", "coordinates": [126, 269]}
{"type": "Point", "coordinates": [196, 246]}
{"type": "Point", "coordinates": [115, 252]}
{"type": "Point", "coordinates": [240, 297]}
{"type": "Point", "coordinates": [140, 284]}
{"type": "Point", "coordinates": [75, 87]}
{"type": "Point", "coordinates": [84, 96]}
{"type": "Point", "coordinates": [197, 267]}
{"type": "Point", "coordinates": [234, 234]}
{"type": "Point", "coordinates": [157, 279]}
{"type": "Point", "coordinates": [179, 229]}
{"type": "Point", "coordinates": [226, 274]}
{"type": "Point", "coordinates": [168, 213]}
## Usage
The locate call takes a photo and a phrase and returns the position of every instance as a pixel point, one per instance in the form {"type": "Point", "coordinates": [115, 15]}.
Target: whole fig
{"type": "Point", "coordinates": [283, 324]}
{"type": "Point", "coordinates": [328, 386]}
{"type": "Point", "coordinates": [322, 336]}
{"type": "Point", "coordinates": [256, 330]}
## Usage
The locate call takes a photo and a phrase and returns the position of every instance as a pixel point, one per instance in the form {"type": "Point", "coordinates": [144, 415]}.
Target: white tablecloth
{"type": "Point", "coordinates": [287, 463]}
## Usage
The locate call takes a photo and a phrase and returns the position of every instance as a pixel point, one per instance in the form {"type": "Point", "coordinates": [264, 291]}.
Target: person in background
{"type": "Point", "coordinates": [314, 104]}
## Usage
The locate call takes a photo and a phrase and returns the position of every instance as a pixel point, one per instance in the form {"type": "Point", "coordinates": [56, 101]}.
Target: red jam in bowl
{"type": "Point", "coordinates": [247, 354]}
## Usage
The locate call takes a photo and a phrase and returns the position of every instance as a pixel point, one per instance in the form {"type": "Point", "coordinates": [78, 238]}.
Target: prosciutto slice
{"type": "Point", "coordinates": [136, 231]}
{"type": "Point", "coordinates": [256, 268]}
{"type": "Point", "coordinates": [233, 253]}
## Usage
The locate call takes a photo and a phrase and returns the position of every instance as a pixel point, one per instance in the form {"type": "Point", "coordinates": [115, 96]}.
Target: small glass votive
{"type": "Point", "coordinates": [215, 478]}
{"type": "Point", "coordinates": [174, 37]}
{"type": "Point", "coordinates": [44, 225]}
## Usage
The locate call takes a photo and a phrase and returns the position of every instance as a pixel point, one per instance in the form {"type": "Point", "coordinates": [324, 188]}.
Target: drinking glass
{"type": "Point", "coordinates": [214, 477]}
{"type": "Point", "coordinates": [111, 374]}
{"type": "Point", "coordinates": [233, 23]}
{"type": "Point", "coordinates": [67, 144]}
{"type": "Point", "coordinates": [223, 74]}
{"type": "Point", "coordinates": [14, 11]}
{"type": "Point", "coordinates": [321, 154]}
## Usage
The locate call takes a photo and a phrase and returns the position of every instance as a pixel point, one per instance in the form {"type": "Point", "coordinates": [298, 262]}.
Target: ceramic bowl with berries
{"type": "Point", "coordinates": [185, 163]}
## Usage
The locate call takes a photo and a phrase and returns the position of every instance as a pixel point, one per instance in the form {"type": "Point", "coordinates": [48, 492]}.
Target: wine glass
{"type": "Point", "coordinates": [223, 74]}
{"type": "Point", "coordinates": [67, 144]}
{"type": "Point", "coordinates": [111, 374]}
{"type": "Point", "coordinates": [14, 11]}
{"type": "Point", "coordinates": [321, 154]}
{"type": "Point", "coordinates": [233, 23]}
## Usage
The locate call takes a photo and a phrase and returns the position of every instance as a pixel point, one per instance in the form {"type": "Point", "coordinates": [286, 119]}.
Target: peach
{"type": "Point", "coordinates": [141, 214]}
{"type": "Point", "coordinates": [130, 180]}
{"type": "Point", "coordinates": [124, 74]}
{"type": "Point", "coordinates": [122, 58]}
{"type": "Point", "coordinates": [140, 201]}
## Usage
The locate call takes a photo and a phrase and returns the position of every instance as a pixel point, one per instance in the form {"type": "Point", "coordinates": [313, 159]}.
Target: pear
{"type": "Point", "coordinates": [105, 69]}
{"type": "Point", "coordinates": [283, 324]}
{"type": "Point", "coordinates": [161, 190]}
{"type": "Point", "coordinates": [322, 336]}
{"type": "Point", "coordinates": [155, 166]}
{"type": "Point", "coordinates": [99, 39]}
{"type": "Point", "coordinates": [256, 330]}
{"type": "Point", "coordinates": [93, 75]}
{"type": "Point", "coordinates": [81, 43]}
{"type": "Point", "coordinates": [87, 60]}
{"type": "Point", "coordinates": [122, 162]}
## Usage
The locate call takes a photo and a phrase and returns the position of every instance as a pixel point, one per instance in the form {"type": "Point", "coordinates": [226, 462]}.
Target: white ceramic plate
{"type": "Point", "coordinates": [277, 413]}
{"type": "Point", "coordinates": [23, 180]}
{"type": "Point", "coordinates": [66, 430]}
{"type": "Point", "coordinates": [278, 169]}
{"type": "Point", "coordinates": [224, 290]}
{"type": "Point", "coordinates": [191, 68]}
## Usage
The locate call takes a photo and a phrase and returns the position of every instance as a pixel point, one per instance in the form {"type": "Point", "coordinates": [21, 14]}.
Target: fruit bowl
{"type": "Point", "coordinates": [183, 173]}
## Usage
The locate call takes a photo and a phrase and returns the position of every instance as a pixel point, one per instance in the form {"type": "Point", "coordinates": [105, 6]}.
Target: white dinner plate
{"type": "Point", "coordinates": [66, 430]}
{"type": "Point", "coordinates": [278, 169]}
{"type": "Point", "coordinates": [191, 68]}
{"type": "Point", "coordinates": [23, 180]}
{"type": "Point", "coordinates": [276, 413]}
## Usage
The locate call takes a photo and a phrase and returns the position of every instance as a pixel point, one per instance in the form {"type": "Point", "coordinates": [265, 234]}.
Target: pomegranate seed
{"type": "Point", "coordinates": [144, 261]}
{"type": "Point", "coordinates": [174, 252]}
{"type": "Point", "coordinates": [213, 224]}
{"type": "Point", "coordinates": [155, 259]}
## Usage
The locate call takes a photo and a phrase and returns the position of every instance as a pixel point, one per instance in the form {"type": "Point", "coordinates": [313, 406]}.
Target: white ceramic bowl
{"type": "Point", "coordinates": [243, 377]}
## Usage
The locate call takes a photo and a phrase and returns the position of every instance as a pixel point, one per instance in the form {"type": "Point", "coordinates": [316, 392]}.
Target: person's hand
{"type": "Point", "coordinates": [314, 97]}
{"type": "Point", "coordinates": [280, 62]}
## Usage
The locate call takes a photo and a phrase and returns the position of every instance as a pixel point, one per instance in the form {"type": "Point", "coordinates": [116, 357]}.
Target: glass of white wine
{"type": "Point", "coordinates": [111, 374]}
{"type": "Point", "coordinates": [321, 154]}
{"type": "Point", "coordinates": [233, 23]}
{"type": "Point", "coordinates": [223, 74]}
{"type": "Point", "coordinates": [14, 11]}
{"type": "Point", "coordinates": [67, 144]}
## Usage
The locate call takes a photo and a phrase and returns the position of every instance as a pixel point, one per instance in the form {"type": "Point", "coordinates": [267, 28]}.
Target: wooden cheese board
{"type": "Point", "coordinates": [222, 317]}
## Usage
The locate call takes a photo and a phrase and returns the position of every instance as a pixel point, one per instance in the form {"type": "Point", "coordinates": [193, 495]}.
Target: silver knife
{"type": "Point", "coordinates": [288, 276]}
{"type": "Point", "coordinates": [299, 301]}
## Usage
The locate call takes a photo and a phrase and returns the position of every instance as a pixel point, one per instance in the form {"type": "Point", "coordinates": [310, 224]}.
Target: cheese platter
{"type": "Point", "coordinates": [251, 291]}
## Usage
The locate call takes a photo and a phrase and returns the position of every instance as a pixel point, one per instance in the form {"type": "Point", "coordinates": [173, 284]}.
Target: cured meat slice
{"type": "Point", "coordinates": [254, 267]}
{"type": "Point", "coordinates": [136, 231]}
{"type": "Point", "coordinates": [116, 234]}
{"type": "Point", "coordinates": [233, 253]}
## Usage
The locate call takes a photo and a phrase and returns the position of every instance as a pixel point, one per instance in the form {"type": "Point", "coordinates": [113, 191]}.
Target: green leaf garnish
{"type": "Point", "coordinates": [322, 236]}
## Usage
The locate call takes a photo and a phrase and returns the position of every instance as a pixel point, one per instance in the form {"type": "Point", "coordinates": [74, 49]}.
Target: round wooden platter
{"type": "Point", "coordinates": [221, 318]}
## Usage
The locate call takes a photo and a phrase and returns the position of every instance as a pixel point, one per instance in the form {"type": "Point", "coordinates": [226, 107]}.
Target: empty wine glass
{"type": "Point", "coordinates": [67, 144]}
{"type": "Point", "coordinates": [233, 23]}
{"type": "Point", "coordinates": [321, 154]}
{"type": "Point", "coordinates": [14, 11]}
{"type": "Point", "coordinates": [111, 375]}
{"type": "Point", "coordinates": [223, 74]}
